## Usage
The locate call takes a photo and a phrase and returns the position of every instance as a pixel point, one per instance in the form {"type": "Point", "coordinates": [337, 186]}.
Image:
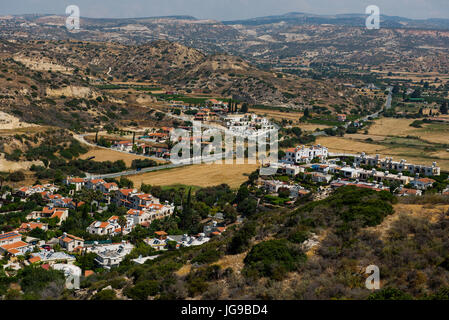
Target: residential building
{"type": "Point", "coordinates": [319, 177]}
{"type": "Point", "coordinates": [10, 237]}
{"type": "Point", "coordinates": [401, 166]}
{"type": "Point", "coordinates": [403, 192]}
{"type": "Point", "coordinates": [109, 227]}
{"type": "Point", "coordinates": [77, 182]}
{"type": "Point", "coordinates": [94, 184]}
{"type": "Point", "coordinates": [365, 160]}
{"type": "Point", "coordinates": [303, 154]}
{"type": "Point", "coordinates": [51, 257]}
{"type": "Point", "coordinates": [126, 146]}
{"type": "Point", "coordinates": [108, 187]}
{"type": "Point", "coordinates": [422, 183]}
{"type": "Point", "coordinates": [70, 242]}
{"type": "Point", "coordinates": [16, 248]}
{"type": "Point", "coordinates": [28, 226]}
{"type": "Point", "coordinates": [110, 256]}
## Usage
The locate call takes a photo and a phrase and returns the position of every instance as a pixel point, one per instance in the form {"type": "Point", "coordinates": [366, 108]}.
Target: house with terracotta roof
{"type": "Point", "coordinates": [108, 187]}
{"type": "Point", "coordinates": [34, 259]}
{"type": "Point", "coordinates": [126, 146]}
{"type": "Point", "coordinates": [422, 183]}
{"type": "Point", "coordinates": [10, 237]}
{"type": "Point", "coordinates": [161, 235]}
{"type": "Point", "coordinates": [139, 216]}
{"type": "Point", "coordinates": [213, 229]}
{"type": "Point", "coordinates": [77, 182]}
{"type": "Point", "coordinates": [121, 197]}
{"type": "Point", "coordinates": [140, 200]}
{"type": "Point", "coordinates": [42, 189]}
{"type": "Point", "coordinates": [53, 212]}
{"type": "Point", "coordinates": [404, 192]}
{"type": "Point", "coordinates": [70, 242]}
{"type": "Point", "coordinates": [16, 248]}
{"type": "Point", "coordinates": [110, 227]}
{"type": "Point", "coordinates": [29, 226]}
{"type": "Point", "coordinates": [102, 228]}
{"type": "Point", "coordinates": [94, 184]}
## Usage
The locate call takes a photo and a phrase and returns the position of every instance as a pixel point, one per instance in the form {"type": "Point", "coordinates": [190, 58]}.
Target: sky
{"type": "Point", "coordinates": [225, 9]}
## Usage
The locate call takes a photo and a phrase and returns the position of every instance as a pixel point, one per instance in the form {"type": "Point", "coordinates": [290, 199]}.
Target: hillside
{"type": "Point", "coordinates": [71, 79]}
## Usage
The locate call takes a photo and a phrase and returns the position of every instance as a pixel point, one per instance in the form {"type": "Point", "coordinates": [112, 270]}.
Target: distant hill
{"type": "Point", "coordinates": [300, 18]}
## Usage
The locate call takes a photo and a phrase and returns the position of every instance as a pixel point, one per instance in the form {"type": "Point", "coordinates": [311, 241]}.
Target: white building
{"type": "Point", "coordinates": [422, 183]}
{"type": "Point", "coordinates": [109, 256]}
{"type": "Point", "coordinates": [303, 154]}
{"type": "Point", "coordinates": [401, 166]}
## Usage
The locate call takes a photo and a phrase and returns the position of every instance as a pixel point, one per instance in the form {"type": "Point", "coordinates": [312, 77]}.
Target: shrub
{"type": "Point", "coordinates": [389, 294]}
{"type": "Point", "coordinates": [17, 176]}
{"type": "Point", "coordinates": [273, 258]}
{"type": "Point", "coordinates": [106, 294]}
{"type": "Point", "coordinates": [143, 289]}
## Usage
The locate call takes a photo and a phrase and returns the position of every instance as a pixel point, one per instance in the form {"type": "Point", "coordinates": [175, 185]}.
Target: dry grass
{"type": "Point", "coordinates": [203, 175]}
{"type": "Point", "coordinates": [184, 271]}
{"type": "Point", "coordinates": [401, 128]}
{"type": "Point", "coordinates": [387, 130]}
{"type": "Point", "coordinates": [111, 155]}
{"type": "Point", "coordinates": [392, 127]}
{"type": "Point", "coordinates": [349, 145]}
{"type": "Point", "coordinates": [313, 127]}
{"type": "Point", "coordinates": [278, 115]}
{"type": "Point", "coordinates": [235, 262]}
{"type": "Point", "coordinates": [430, 212]}
{"type": "Point", "coordinates": [9, 166]}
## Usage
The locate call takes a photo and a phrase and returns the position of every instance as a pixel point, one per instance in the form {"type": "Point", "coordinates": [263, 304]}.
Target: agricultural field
{"type": "Point", "coordinates": [396, 138]}
{"type": "Point", "coordinates": [430, 132]}
{"type": "Point", "coordinates": [278, 115]}
{"type": "Point", "coordinates": [313, 126]}
{"type": "Point", "coordinates": [101, 154]}
{"type": "Point", "coordinates": [203, 175]}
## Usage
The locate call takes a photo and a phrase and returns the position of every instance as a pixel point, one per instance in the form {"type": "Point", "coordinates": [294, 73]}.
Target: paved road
{"type": "Point", "coordinates": [182, 163]}
{"type": "Point", "coordinates": [366, 118]}
{"type": "Point", "coordinates": [80, 138]}
{"type": "Point", "coordinates": [134, 172]}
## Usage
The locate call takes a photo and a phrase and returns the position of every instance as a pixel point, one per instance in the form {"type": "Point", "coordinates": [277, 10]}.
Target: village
{"type": "Point", "coordinates": [317, 167]}
{"type": "Point", "coordinates": [301, 172]}
{"type": "Point", "coordinates": [18, 248]}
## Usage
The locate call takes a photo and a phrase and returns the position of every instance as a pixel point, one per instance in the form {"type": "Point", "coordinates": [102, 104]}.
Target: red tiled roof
{"type": "Point", "coordinates": [15, 245]}
{"type": "Point", "coordinates": [88, 273]}
{"type": "Point", "coordinates": [34, 259]}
